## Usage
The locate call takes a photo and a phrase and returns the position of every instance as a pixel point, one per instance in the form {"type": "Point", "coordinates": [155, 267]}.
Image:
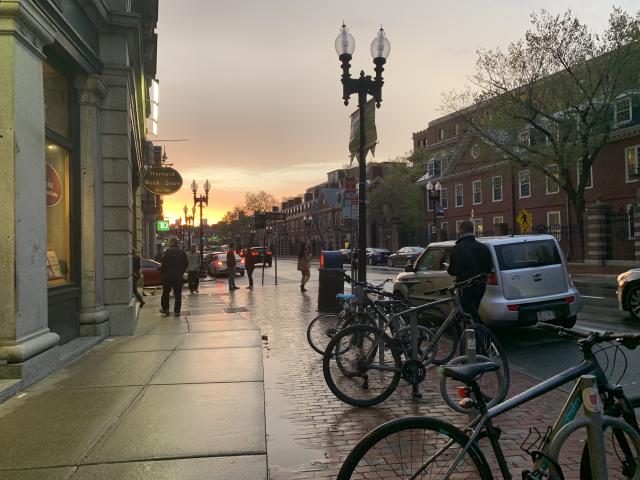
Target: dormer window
{"type": "Point", "coordinates": [441, 134]}
{"type": "Point", "coordinates": [622, 111]}
{"type": "Point", "coordinates": [434, 168]}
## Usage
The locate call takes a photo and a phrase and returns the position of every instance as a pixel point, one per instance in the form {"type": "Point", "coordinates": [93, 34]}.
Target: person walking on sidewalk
{"type": "Point", "coordinates": [249, 265]}
{"type": "Point", "coordinates": [174, 264]}
{"type": "Point", "coordinates": [193, 270]}
{"type": "Point", "coordinates": [304, 265]}
{"type": "Point", "coordinates": [231, 267]}
{"type": "Point", "coordinates": [469, 258]}
{"type": "Point", "coordinates": [136, 276]}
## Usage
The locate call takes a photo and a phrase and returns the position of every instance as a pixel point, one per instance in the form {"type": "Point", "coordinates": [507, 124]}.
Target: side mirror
{"type": "Point", "coordinates": [408, 268]}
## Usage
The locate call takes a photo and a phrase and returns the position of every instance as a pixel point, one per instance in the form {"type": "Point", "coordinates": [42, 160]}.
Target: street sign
{"type": "Point", "coordinates": [162, 225]}
{"type": "Point", "coordinates": [161, 180]}
{"type": "Point", "coordinates": [525, 220]}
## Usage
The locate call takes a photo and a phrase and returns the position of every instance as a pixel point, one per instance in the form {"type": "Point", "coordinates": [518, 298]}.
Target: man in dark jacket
{"type": "Point", "coordinates": [231, 267]}
{"type": "Point", "coordinates": [249, 265]}
{"type": "Point", "coordinates": [174, 264]}
{"type": "Point", "coordinates": [468, 259]}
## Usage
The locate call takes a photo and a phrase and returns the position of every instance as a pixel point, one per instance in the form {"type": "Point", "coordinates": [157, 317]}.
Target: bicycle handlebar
{"type": "Point", "coordinates": [629, 340]}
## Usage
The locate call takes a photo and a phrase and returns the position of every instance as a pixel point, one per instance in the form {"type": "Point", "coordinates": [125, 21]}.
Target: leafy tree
{"type": "Point", "coordinates": [548, 99]}
{"type": "Point", "coordinates": [259, 202]}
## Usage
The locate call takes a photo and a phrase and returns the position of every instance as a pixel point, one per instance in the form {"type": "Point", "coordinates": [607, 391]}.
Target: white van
{"type": "Point", "coordinates": [529, 283]}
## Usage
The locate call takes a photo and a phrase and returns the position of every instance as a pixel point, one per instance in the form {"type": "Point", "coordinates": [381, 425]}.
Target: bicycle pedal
{"type": "Point", "coordinates": [467, 403]}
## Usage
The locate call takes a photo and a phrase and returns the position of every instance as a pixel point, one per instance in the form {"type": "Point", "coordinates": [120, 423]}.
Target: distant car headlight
{"type": "Point", "coordinates": [622, 277]}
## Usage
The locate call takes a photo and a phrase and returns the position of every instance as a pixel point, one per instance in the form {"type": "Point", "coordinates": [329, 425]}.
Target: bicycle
{"type": "Point", "coordinates": [415, 447]}
{"type": "Point", "coordinates": [363, 364]}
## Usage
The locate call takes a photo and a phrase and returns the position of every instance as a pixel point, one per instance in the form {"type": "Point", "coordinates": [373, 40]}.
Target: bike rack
{"type": "Point", "coordinates": [469, 339]}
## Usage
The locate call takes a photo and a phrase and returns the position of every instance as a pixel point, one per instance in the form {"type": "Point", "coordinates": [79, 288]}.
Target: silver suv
{"type": "Point", "coordinates": [529, 282]}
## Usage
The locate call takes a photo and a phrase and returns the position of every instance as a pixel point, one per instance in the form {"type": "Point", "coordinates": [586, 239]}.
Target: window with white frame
{"type": "Point", "coordinates": [441, 134]}
{"type": "Point", "coordinates": [523, 137]}
{"type": "Point", "coordinates": [434, 168]}
{"type": "Point", "coordinates": [631, 155]}
{"type": "Point", "coordinates": [552, 172]}
{"type": "Point", "coordinates": [631, 227]}
{"type": "Point", "coordinates": [457, 129]}
{"type": "Point", "coordinates": [497, 221]}
{"type": "Point", "coordinates": [477, 192]}
{"type": "Point", "coordinates": [589, 183]}
{"type": "Point", "coordinates": [444, 198]}
{"type": "Point", "coordinates": [459, 195]}
{"type": "Point", "coordinates": [458, 222]}
{"type": "Point", "coordinates": [622, 110]}
{"type": "Point", "coordinates": [554, 226]}
{"type": "Point", "coordinates": [478, 229]}
{"type": "Point", "coordinates": [444, 231]}
{"type": "Point", "coordinates": [496, 183]}
{"type": "Point", "coordinates": [524, 184]}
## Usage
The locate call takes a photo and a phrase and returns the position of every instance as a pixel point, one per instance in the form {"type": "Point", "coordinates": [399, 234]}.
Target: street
{"type": "Point", "coordinates": [309, 431]}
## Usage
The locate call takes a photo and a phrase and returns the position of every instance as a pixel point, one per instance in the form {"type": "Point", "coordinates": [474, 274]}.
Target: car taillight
{"type": "Point", "coordinates": [219, 262]}
{"type": "Point", "coordinates": [268, 253]}
{"type": "Point", "coordinates": [513, 308]}
{"type": "Point", "coordinates": [255, 254]}
{"type": "Point", "coordinates": [570, 299]}
{"type": "Point", "coordinates": [492, 279]}
{"type": "Point", "coordinates": [242, 260]}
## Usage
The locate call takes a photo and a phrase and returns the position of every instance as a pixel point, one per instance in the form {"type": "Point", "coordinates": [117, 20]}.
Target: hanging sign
{"type": "Point", "coordinates": [161, 180]}
{"type": "Point", "coordinates": [54, 186]}
{"type": "Point", "coordinates": [162, 226]}
{"type": "Point", "coordinates": [370, 132]}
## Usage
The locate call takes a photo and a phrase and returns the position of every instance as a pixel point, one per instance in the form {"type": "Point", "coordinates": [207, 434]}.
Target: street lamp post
{"type": "Point", "coordinates": [200, 200]}
{"type": "Point", "coordinates": [307, 219]}
{"type": "Point", "coordinates": [186, 221]}
{"type": "Point", "coordinates": [364, 85]}
{"type": "Point", "coordinates": [433, 196]}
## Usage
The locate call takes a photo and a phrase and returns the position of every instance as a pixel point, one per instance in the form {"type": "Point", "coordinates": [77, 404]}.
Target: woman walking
{"type": "Point", "coordinates": [304, 265]}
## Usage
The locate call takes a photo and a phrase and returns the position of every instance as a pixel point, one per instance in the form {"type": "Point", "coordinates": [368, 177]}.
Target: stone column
{"type": "Point", "coordinates": [28, 350]}
{"type": "Point", "coordinates": [596, 234]}
{"type": "Point", "coordinates": [93, 315]}
{"type": "Point", "coordinates": [117, 191]}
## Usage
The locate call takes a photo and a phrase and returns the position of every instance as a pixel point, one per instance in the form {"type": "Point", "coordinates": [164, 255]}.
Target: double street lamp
{"type": "Point", "coordinates": [433, 197]}
{"type": "Point", "coordinates": [363, 86]}
{"type": "Point", "coordinates": [189, 221]}
{"type": "Point", "coordinates": [200, 200]}
{"type": "Point", "coordinates": [308, 220]}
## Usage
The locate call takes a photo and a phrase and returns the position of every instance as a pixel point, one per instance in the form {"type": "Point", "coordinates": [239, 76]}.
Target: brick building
{"type": "Point", "coordinates": [479, 184]}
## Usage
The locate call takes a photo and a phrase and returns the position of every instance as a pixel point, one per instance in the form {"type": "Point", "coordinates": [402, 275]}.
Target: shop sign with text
{"type": "Point", "coordinates": [162, 180]}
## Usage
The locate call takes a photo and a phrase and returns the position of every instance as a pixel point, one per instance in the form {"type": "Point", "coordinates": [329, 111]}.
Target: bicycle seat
{"type": "Point", "coordinates": [345, 296]}
{"type": "Point", "coordinates": [468, 373]}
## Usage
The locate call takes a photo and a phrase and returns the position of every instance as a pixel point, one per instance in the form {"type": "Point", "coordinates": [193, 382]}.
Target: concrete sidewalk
{"type": "Point", "coordinates": [183, 398]}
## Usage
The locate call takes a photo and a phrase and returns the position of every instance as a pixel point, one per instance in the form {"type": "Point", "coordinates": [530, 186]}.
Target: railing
{"type": "Point", "coordinates": [619, 233]}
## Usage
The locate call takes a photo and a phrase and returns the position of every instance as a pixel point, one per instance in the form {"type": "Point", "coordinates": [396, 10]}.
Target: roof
{"type": "Point", "coordinates": [498, 240]}
{"type": "Point", "coordinates": [331, 194]}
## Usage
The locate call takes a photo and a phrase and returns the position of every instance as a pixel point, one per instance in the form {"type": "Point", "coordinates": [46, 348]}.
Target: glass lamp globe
{"type": "Point", "coordinates": [345, 43]}
{"type": "Point", "coordinates": [194, 186]}
{"type": "Point", "coordinates": [438, 186]}
{"type": "Point", "coordinates": [380, 47]}
{"type": "Point", "coordinates": [207, 186]}
{"type": "Point", "coordinates": [429, 186]}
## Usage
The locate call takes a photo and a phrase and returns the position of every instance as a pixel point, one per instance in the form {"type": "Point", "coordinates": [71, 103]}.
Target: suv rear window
{"type": "Point", "coordinates": [539, 253]}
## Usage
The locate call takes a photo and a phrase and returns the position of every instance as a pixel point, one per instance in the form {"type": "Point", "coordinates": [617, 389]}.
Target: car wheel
{"type": "Point", "coordinates": [633, 301]}
{"type": "Point", "coordinates": [269, 264]}
{"type": "Point", "coordinates": [568, 322]}
{"type": "Point", "coordinates": [242, 273]}
{"type": "Point", "coordinates": [390, 263]}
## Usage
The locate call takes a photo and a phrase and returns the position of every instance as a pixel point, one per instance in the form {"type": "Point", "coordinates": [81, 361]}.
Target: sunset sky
{"type": "Point", "coordinates": [255, 85]}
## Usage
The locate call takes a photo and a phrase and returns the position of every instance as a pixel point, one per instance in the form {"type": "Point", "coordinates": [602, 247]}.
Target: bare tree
{"type": "Point", "coordinates": [259, 202]}
{"type": "Point", "coordinates": [547, 101]}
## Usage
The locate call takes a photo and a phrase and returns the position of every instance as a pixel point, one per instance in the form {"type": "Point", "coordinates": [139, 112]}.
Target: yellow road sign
{"type": "Point", "coordinates": [525, 220]}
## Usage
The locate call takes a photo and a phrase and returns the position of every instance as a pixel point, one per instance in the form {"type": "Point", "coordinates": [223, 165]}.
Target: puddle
{"type": "Point", "coordinates": [286, 456]}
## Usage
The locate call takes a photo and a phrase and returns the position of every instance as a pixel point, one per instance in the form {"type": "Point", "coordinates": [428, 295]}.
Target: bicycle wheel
{"type": "Point", "coordinates": [567, 449]}
{"type": "Point", "coordinates": [433, 318]}
{"type": "Point", "coordinates": [414, 447]}
{"type": "Point", "coordinates": [323, 328]}
{"type": "Point", "coordinates": [495, 385]}
{"type": "Point", "coordinates": [361, 365]}
{"type": "Point", "coordinates": [624, 460]}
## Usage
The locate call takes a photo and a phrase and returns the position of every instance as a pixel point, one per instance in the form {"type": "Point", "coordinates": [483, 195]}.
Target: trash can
{"type": "Point", "coordinates": [331, 281]}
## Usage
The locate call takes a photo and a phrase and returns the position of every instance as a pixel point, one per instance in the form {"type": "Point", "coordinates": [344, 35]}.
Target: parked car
{"type": "Point", "coordinates": [346, 255]}
{"type": "Point", "coordinates": [262, 255]}
{"type": "Point", "coordinates": [151, 276]}
{"type": "Point", "coordinates": [218, 264]}
{"type": "Point", "coordinates": [376, 256]}
{"type": "Point", "coordinates": [404, 256]}
{"type": "Point", "coordinates": [529, 283]}
{"type": "Point", "coordinates": [628, 292]}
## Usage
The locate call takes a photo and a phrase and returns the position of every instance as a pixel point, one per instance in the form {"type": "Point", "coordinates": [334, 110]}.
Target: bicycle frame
{"type": "Point", "coordinates": [567, 414]}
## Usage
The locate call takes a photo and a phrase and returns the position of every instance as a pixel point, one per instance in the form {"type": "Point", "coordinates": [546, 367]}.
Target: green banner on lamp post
{"type": "Point", "coordinates": [370, 132]}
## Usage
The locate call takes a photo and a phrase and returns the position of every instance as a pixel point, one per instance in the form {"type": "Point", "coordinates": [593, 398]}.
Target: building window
{"type": "Point", "coordinates": [552, 185]}
{"type": "Point", "coordinates": [497, 188]}
{"type": "Point", "coordinates": [497, 221]}
{"type": "Point", "coordinates": [622, 111]}
{"type": "Point", "coordinates": [631, 163]}
{"type": "Point", "coordinates": [477, 192]}
{"type": "Point", "coordinates": [444, 231]}
{"type": "Point", "coordinates": [444, 198]}
{"type": "Point", "coordinates": [631, 227]}
{"type": "Point", "coordinates": [441, 134]}
{"type": "Point", "coordinates": [57, 176]}
{"type": "Point", "coordinates": [524, 138]}
{"type": "Point", "coordinates": [459, 195]}
{"type": "Point", "coordinates": [457, 129]}
{"type": "Point", "coordinates": [478, 229]}
{"type": "Point", "coordinates": [434, 168]}
{"type": "Point", "coordinates": [554, 226]}
{"type": "Point", "coordinates": [524, 182]}
{"type": "Point", "coordinates": [458, 222]}
{"type": "Point", "coordinates": [589, 183]}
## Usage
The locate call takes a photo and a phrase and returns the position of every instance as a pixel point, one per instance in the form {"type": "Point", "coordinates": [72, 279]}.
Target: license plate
{"type": "Point", "coordinates": [546, 315]}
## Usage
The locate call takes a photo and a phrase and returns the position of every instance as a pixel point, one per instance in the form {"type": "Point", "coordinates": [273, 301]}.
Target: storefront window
{"type": "Point", "coordinates": [57, 177]}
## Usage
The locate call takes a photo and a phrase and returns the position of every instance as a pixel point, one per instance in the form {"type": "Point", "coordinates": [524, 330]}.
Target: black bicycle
{"type": "Point", "coordinates": [608, 443]}
{"type": "Point", "coordinates": [363, 364]}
